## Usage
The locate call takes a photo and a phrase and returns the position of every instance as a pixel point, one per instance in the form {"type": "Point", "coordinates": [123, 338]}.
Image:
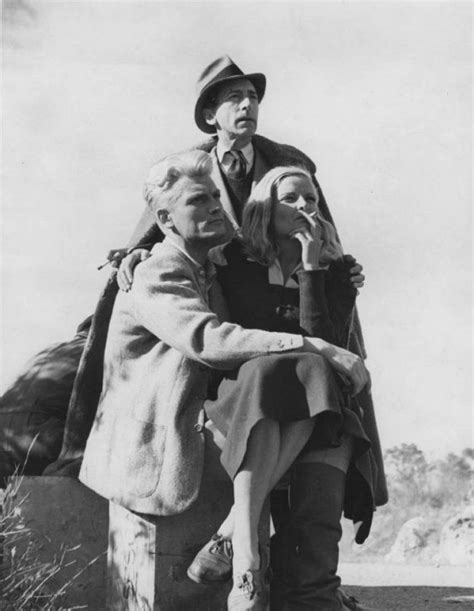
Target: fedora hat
{"type": "Point", "coordinates": [222, 70]}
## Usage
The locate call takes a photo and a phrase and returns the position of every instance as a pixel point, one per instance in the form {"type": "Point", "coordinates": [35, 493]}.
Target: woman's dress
{"type": "Point", "coordinates": [287, 386]}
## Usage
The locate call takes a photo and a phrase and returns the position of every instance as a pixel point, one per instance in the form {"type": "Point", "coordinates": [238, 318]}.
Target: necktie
{"type": "Point", "coordinates": [236, 166]}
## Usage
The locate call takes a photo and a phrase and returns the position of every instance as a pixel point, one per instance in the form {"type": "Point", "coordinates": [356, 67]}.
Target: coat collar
{"type": "Point", "coordinates": [248, 153]}
{"type": "Point", "coordinates": [208, 267]}
{"type": "Point", "coordinates": [275, 153]}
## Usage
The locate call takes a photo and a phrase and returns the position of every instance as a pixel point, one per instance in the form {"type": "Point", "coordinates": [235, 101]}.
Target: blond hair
{"type": "Point", "coordinates": [257, 231]}
{"type": "Point", "coordinates": [158, 190]}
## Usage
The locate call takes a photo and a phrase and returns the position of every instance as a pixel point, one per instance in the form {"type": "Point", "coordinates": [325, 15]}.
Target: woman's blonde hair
{"type": "Point", "coordinates": [257, 229]}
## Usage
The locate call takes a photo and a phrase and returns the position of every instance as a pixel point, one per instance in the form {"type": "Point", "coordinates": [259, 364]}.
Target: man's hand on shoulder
{"type": "Point", "coordinates": [127, 267]}
{"type": "Point", "coordinates": [348, 271]}
{"type": "Point", "coordinates": [356, 277]}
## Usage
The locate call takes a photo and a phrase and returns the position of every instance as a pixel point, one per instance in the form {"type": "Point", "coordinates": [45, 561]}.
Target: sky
{"type": "Point", "coordinates": [378, 94]}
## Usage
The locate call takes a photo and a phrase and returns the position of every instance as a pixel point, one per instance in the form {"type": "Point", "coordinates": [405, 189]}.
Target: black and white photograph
{"type": "Point", "coordinates": [236, 313]}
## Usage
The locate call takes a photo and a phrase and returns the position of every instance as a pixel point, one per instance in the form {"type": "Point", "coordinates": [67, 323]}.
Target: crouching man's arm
{"type": "Point", "coordinates": [169, 298]}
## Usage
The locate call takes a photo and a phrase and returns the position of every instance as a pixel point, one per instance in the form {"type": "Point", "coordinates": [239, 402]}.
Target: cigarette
{"type": "Point", "coordinates": [114, 257]}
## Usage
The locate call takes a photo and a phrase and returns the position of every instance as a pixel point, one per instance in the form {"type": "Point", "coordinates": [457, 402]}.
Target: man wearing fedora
{"type": "Point", "coordinates": [227, 108]}
{"type": "Point", "coordinates": [305, 547]}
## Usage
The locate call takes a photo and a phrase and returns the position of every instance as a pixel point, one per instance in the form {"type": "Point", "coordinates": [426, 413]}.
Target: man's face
{"type": "Point", "coordinates": [196, 213]}
{"type": "Point", "coordinates": [236, 110]}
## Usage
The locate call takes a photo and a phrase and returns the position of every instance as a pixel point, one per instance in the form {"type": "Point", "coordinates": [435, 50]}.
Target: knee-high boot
{"type": "Point", "coordinates": [305, 550]}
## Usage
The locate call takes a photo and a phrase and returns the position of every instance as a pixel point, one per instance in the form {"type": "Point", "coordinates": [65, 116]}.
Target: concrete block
{"type": "Point", "coordinates": [148, 556]}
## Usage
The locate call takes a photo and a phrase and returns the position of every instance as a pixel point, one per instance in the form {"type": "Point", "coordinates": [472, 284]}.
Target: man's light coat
{"type": "Point", "coordinates": [146, 447]}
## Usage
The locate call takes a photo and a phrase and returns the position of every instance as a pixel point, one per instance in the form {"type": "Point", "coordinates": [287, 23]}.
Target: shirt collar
{"type": "Point", "coordinates": [275, 275]}
{"type": "Point", "coordinates": [248, 152]}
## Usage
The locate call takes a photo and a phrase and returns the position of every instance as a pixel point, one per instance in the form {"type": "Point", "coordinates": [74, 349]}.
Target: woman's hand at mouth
{"type": "Point", "coordinates": [331, 249]}
{"type": "Point", "coordinates": [309, 235]}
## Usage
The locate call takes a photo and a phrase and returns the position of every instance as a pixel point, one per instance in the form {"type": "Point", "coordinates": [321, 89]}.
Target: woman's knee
{"type": "Point", "coordinates": [274, 366]}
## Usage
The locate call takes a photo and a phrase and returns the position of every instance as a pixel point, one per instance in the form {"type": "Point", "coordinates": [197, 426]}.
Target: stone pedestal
{"type": "Point", "coordinates": [148, 556]}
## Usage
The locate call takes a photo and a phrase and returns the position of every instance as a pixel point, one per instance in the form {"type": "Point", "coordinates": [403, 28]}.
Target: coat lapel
{"type": "Point", "coordinates": [261, 167]}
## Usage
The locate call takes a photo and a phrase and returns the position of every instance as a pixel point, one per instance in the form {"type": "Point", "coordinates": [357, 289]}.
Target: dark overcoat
{"type": "Point", "coordinates": [369, 471]}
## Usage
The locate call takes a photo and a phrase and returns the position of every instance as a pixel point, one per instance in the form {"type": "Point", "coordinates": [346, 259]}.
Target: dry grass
{"type": "Point", "coordinates": [26, 582]}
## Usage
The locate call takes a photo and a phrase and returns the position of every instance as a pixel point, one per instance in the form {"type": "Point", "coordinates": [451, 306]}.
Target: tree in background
{"type": "Point", "coordinates": [451, 479]}
{"type": "Point", "coordinates": [406, 468]}
{"type": "Point", "coordinates": [415, 482]}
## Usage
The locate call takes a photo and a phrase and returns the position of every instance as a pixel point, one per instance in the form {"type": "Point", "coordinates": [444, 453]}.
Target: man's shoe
{"type": "Point", "coordinates": [213, 563]}
{"type": "Point", "coordinates": [250, 592]}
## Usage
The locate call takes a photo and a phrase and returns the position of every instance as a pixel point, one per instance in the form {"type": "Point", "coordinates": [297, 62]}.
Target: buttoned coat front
{"type": "Point", "coordinates": [146, 447]}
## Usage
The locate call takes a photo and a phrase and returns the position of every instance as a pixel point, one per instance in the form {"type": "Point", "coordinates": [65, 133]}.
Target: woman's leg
{"type": "Point", "coordinates": [256, 478]}
{"type": "Point", "coordinates": [294, 436]}
{"type": "Point", "coordinates": [250, 490]}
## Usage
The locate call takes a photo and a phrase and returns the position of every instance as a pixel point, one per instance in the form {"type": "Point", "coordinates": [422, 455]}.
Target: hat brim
{"type": "Point", "coordinates": [257, 79]}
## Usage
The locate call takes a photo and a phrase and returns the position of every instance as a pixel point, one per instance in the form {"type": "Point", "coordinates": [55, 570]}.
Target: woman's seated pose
{"type": "Point", "coordinates": [286, 273]}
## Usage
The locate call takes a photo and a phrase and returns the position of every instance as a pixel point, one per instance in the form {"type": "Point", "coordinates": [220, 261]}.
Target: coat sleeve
{"type": "Point", "coordinates": [169, 304]}
{"type": "Point", "coordinates": [314, 315]}
{"type": "Point", "coordinates": [341, 296]}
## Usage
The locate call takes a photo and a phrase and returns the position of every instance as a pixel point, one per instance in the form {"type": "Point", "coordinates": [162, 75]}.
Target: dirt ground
{"type": "Point", "coordinates": [388, 587]}
{"type": "Point", "coordinates": [414, 598]}
{"type": "Point", "coordinates": [380, 573]}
